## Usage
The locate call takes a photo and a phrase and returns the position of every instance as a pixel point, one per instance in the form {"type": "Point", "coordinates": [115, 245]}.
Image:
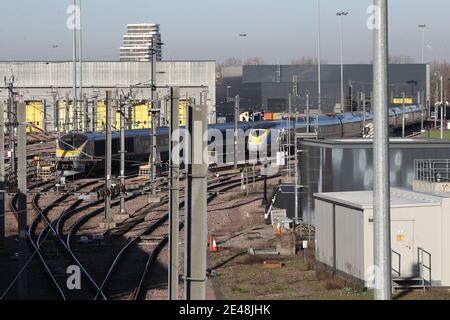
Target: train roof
{"type": "Point", "coordinates": [94, 136]}
{"type": "Point", "coordinates": [323, 120]}
{"type": "Point", "coordinates": [349, 117]}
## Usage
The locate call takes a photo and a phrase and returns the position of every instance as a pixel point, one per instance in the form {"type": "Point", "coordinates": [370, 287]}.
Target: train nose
{"type": "Point", "coordinates": [253, 148]}
{"type": "Point", "coordinates": [257, 141]}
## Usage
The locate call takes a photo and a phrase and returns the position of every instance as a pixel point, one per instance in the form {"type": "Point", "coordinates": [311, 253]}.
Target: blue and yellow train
{"type": "Point", "coordinates": [82, 152]}
{"type": "Point", "coordinates": [343, 125]}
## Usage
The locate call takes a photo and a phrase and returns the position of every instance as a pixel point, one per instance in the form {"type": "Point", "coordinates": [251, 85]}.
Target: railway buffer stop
{"type": "Point", "coordinates": [420, 236]}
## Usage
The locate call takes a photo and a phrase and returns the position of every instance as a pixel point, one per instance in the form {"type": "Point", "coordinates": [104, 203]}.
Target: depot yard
{"type": "Point", "coordinates": [237, 275]}
{"type": "Point", "coordinates": [246, 278]}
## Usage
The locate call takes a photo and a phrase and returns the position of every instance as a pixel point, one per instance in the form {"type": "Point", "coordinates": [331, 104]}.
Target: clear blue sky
{"type": "Point", "coordinates": [278, 30]}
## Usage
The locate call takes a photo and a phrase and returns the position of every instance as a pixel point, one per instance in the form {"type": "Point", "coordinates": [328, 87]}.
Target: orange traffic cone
{"type": "Point", "coordinates": [278, 230]}
{"type": "Point", "coordinates": [214, 247]}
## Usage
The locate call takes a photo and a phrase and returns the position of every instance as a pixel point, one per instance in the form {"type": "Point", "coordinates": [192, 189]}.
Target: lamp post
{"type": "Point", "coordinates": [342, 14]}
{"type": "Point", "coordinates": [441, 79]}
{"type": "Point", "coordinates": [228, 93]}
{"type": "Point", "coordinates": [422, 27]}
{"type": "Point", "coordinates": [80, 72]}
{"type": "Point", "coordinates": [242, 36]}
{"type": "Point", "coordinates": [74, 56]}
{"type": "Point", "coordinates": [319, 63]}
{"type": "Point", "coordinates": [381, 193]}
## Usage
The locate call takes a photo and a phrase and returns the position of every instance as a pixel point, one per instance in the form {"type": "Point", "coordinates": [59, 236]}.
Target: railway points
{"type": "Point", "coordinates": [146, 178]}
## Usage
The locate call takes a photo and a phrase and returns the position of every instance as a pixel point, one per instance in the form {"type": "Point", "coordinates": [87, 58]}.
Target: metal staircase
{"type": "Point", "coordinates": [420, 281]}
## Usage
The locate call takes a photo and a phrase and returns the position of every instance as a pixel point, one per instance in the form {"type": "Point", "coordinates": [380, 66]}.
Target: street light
{"type": "Point", "coordinates": [422, 27]}
{"type": "Point", "coordinates": [441, 79]}
{"type": "Point", "coordinates": [342, 14]}
{"type": "Point", "coordinates": [242, 36]}
{"type": "Point", "coordinates": [228, 93]}
{"type": "Point", "coordinates": [319, 63]}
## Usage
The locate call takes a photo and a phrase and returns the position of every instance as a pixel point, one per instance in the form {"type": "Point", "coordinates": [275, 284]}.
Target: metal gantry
{"type": "Point", "coordinates": [154, 113]}
{"type": "Point", "coordinates": [22, 196]}
{"type": "Point", "coordinates": [2, 174]}
{"type": "Point", "coordinates": [236, 122]}
{"type": "Point", "coordinates": [74, 52]}
{"type": "Point", "coordinates": [122, 156]}
{"type": "Point", "coordinates": [108, 162]}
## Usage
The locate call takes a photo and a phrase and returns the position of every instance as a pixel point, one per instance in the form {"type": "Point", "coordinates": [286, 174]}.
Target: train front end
{"type": "Point", "coordinates": [71, 153]}
{"type": "Point", "coordinates": [258, 141]}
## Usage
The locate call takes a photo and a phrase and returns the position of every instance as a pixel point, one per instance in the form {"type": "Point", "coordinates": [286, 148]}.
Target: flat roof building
{"type": "Point", "coordinates": [420, 236]}
{"type": "Point", "coordinates": [339, 165]}
{"type": "Point", "coordinates": [267, 87]}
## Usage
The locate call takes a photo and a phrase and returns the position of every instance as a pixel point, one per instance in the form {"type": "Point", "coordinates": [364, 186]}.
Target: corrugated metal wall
{"type": "Point", "coordinates": [46, 80]}
{"type": "Point", "coordinates": [276, 84]}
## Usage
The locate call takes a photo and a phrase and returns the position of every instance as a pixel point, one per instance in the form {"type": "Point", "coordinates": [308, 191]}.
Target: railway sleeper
{"type": "Point", "coordinates": [153, 237]}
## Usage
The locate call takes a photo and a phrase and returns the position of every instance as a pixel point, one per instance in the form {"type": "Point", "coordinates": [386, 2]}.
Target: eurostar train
{"type": "Point", "coordinates": [344, 125]}
{"type": "Point", "coordinates": [82, 152]}
{"type": "Point", "coordinates": [78, 153]}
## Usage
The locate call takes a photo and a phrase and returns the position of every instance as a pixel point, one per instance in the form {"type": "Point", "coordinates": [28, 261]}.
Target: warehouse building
{"type": "Point", "coordinates": [341, 165]}
{"type": "Point", "coordinates": [267, 87]}
{"type": "Point", "coordinates": [45, 86]}
{"type": "Point", "coordinates": [420, 236]}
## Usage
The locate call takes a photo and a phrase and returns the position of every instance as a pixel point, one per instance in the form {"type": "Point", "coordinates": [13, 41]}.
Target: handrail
{"type": "Point", "coordinates": [423, 266]}
{"type": "Point", "coordinates": [432, 170]}
{"type": "Point", "coordinates": [398, 272]}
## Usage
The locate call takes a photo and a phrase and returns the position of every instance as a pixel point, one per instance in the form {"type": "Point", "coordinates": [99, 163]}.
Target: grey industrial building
{"type": "Point", "coordinates": [266, 87]}
{"type": "Point", "coordinates": [342, 165]}
{"type": "Point", "coordinates": [50, 81]}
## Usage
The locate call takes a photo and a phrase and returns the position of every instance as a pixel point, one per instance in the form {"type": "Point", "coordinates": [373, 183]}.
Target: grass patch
{"type": "Point", "coordinates": [299, 279]}
{"type": "Point", "coordinates": [436, 134]}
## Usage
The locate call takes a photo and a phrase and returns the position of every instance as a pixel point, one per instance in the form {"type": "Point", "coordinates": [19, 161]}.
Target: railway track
{"type": "Point", "coordinates": [78, 224]}
{"type": "Point", "coordinates": [139, 293]}
{"type": "Point", "coordinates": [155, 226]}
{"type": "Point", "coordinates": [37, 250]}
{"type": "Point", "coordinates": [55, 228]}
{"type": "Point", "coordinates": [50, 228]}
{"type": "Point", "coordinates": [39, 240]}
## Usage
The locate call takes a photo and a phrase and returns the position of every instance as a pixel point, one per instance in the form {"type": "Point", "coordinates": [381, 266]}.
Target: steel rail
{"type": "Point", "coordinates": [137, 293]}
{"type": "Point", "coordinates": [43, 214]}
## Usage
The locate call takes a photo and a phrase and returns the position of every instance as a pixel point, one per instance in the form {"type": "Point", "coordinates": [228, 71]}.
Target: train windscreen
{"type": "Point", "coordinates": [72, 141]}
{"type": "Point", "coordinates": [258, 132]}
